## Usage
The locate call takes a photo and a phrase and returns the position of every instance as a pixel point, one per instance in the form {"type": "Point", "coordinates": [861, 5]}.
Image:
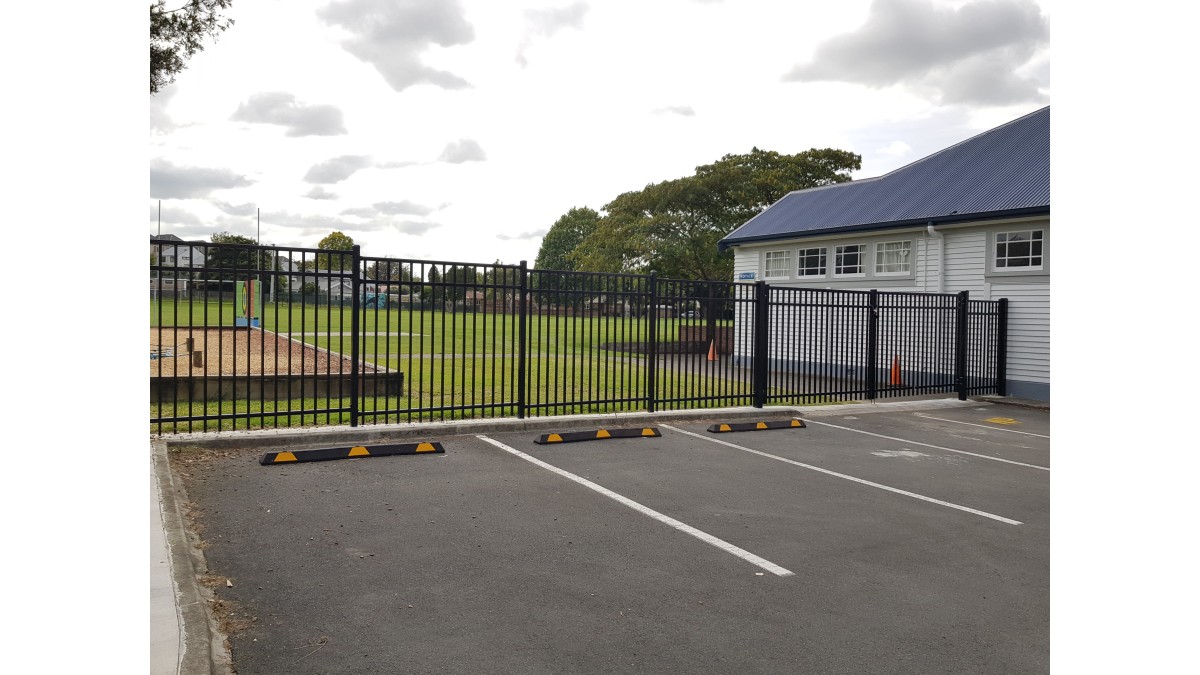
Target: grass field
{"type": "Point", "coordinates": [426, 331]}
{"type": "Point", "coordinates": [468, 363]}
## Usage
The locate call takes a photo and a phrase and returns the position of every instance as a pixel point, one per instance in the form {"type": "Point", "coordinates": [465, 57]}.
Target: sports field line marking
{"type": "Point", "coordinates": [645, 510]}
{"type": "Point", "coordinates": [982, 426]}
{"type": "Point", "coordinates": [898, 491]}
{"type": "Point", "coordinates": [927, 445]}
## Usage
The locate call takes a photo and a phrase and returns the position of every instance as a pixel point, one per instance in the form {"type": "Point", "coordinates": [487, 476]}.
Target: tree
{"type": "Point", "coordinates": [235, 254]}
{"type": "Point", "coordinates": [567, 233]}
{"type": "Point", "coordinates": [334, 241]}
{"type": "Point", "coordinates": [673, 227]}
{"type": "Point", "coordinates": [177, 34]}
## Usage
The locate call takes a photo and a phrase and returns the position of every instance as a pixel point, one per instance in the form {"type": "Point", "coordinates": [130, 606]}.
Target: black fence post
{"type": "Point", "coordinates": [872, 344]}
{"type": "Point", "coordinates": [652, 368]}
{"type": "Point", "coordinates": [762, 343]}
{"type": "Point", "coordinates": [356, 290]}
{"type": "Point", "coordinates": [1002, 348]}
{"type": "Point", "coordinates": [960, 345]}
{"type": "Point", "coordinates": [522, 337]}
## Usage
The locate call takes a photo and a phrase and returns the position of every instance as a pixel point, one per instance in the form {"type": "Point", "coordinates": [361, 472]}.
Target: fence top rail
{"type": "Point", "coordinates": [580, 273]}
{"type": "Point", "coordinates": [446, 263]}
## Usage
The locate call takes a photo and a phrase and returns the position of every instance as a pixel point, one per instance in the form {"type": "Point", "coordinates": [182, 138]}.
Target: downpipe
{"type": "Point", "coordinates": [941, 246]}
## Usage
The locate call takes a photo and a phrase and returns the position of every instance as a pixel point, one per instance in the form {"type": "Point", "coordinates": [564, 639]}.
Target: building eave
{"type": "Point", "coordinates": [947, 219]}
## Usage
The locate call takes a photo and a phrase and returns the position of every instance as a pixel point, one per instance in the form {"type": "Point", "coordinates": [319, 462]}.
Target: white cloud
{"type": "Point", "coordinates": [965, 54]}
{"type": "Point", "coordinates": [544, 23]}
{"type": "Point", "coordinates": [174, 216]}
{"type": "Point", "coordinates": [337, 169]}
{"type": "Point", "coordinates": [463, 150]}
{"type": "Point", "coordinates": [160, 121]}
{"type": "Point", "coordinates": [409, 227]}
{"type": "Point", "coordinates": [246, 209]}
{"type": "Point", "coordinates": [168, 181]}
{"type": "Point", "coordinates": [300, 119]}
{"type": "Point", "coordinates": [391, 36]}
{"type": "Point", "coordinates": [318, 192]}
{"type": "Point", "coordinates": [896, 149]}
{"type": "Point", "coordinates": [532, 234]}
{"type": "Point", "coordinates": [681, 110]}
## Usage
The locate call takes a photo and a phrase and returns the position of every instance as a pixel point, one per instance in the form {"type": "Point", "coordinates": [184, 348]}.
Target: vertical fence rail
{"type": "Point", "coordinates": [520, 376]}
{"type": "Point", "coordinates": [960, 346]}
{"type": "Point", "coordinates": [1002, 347]}
{"type": "Point", "coordinates": [872, 355]}
{"type": "Point", "coordinates": [355, 308]}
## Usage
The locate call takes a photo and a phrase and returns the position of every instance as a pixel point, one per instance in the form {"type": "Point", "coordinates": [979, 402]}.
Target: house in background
{"type": "Point", "coordinates": [178, 257]}
{"type": "Point", "coordinates": [171, 251]}
{"type": "Point", "coordinates": [974, 217]}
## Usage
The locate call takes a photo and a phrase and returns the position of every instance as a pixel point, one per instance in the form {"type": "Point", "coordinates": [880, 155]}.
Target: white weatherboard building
{"type": "Point", "coordinates": [974, 217]}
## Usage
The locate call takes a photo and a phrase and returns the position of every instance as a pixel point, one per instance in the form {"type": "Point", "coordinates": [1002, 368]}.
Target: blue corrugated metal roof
{"type": "Point", "coordinates": [1004, 171]}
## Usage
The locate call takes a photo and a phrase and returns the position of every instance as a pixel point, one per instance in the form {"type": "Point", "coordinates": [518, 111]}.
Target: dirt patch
{"type": "Point", "coordinates": [239, 351]}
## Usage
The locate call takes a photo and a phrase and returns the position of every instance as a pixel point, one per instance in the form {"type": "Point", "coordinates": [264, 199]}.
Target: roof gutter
{"type": "Point", "coordinates": [913, 222]}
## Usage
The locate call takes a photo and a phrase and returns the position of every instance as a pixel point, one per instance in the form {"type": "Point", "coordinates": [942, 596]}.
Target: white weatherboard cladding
{"type": "Point", "coordinates": [745, 261]}
{"type": "Point", "coordinates": [966, 263]}
{"type": "Point", "coordinates": [1028, 329]}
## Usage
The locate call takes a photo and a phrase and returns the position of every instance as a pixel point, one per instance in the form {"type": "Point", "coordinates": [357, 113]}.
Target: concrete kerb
{"type": "Point", "coordinates": [202, 645]}
{"type": "Point", "coordinates": [384, 433]}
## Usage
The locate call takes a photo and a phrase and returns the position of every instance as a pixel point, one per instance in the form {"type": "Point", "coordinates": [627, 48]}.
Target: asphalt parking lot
{"type": "Point", "coordinates": [888, 541]}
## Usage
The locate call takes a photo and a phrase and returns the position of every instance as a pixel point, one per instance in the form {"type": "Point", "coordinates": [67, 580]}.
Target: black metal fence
{"type": "Point", "coordinates": [261, 337]}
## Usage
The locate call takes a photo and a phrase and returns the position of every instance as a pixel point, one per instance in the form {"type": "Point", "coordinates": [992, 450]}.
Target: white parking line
{"type": "Point", "coordinates": [982, 426]}
{"type": "Point", "coordinates": [645, 510]}
{"type": "Point", "coordinates": [906, 493]}
{"type": "Point", "coordinates": [936, 447]}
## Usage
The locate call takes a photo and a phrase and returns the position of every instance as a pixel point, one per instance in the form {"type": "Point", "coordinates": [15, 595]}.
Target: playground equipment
{"type": "Point", "coordinates": [379, 300]}
{"type": "Point", "coordinates": [249, 292]}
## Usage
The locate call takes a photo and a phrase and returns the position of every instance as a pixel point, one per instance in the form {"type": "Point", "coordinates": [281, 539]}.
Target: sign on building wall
{"type": "Point", "coordinates": [745, 276]}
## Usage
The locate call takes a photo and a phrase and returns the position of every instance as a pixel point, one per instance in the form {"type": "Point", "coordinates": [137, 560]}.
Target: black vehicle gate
{"type": "Point", "coordinates": [261, 337]}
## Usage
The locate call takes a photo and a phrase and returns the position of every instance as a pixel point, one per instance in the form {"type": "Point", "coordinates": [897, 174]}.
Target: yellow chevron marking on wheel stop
{"type": "Point", "coordinates": [554, 438]}
{"type": "Point", "coordinates": [647, 432]}
{"type": "Point", "coordinates": [796, 423]}
{"type": "Point", "coordinates": [285, 457]}
{"type": "Point", "coordinates": [603, 434]}
{"type": "Point", "coordinates": [726, 427]}
{"type": "Point", "coordinates": [761, 425]}
{"type": "Point", "coordinates": [1001, 420]}
{"type": "Point", "coordinates": [359, 451]}
{"type": "Point", "coordinates": [425, 447]}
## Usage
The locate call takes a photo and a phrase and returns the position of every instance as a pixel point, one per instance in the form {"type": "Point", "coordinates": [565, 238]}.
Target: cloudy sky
{"type": "Point", "coordinates": [462, 129]}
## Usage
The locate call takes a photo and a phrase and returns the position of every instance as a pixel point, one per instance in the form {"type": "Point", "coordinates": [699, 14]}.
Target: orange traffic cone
{"type": "Point", "coordinates": [712, 350]}
{"type": "Point", "coordinates": [896, 381]}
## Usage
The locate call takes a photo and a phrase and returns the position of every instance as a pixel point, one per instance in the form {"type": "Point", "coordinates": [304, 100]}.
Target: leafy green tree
{"type": "Point", "coordinates": [177, 34]}
{"type": "Point", "coordinates": [558, 252]}
{"type": "Point", "coordinates": [567, 233]}
{"type": "Point", "coordinates": [334, 241]}
{"type": "Point", "coordinates": [673, 227]}
{"type": "Point", "coordinates": [237, 255]}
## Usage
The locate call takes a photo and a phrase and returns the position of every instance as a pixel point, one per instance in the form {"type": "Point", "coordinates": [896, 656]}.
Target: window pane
{"type": "Point", "coordinates": [1019, 249]}
{"type": "Point", "coordinates": [892, 257]}
{"type": "Point", "coordinates": [778, 264]}
{"type": "Point", "coordinates": [849, 259]}
{"type": "Point", "coordinates": [811, 262]}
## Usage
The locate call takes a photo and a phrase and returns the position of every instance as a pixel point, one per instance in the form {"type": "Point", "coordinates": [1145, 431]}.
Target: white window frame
{"type": "Point", "coordinates": [905, 255]}
{"type": "Point", "coordinates": [1007, 267]}
{"type": "Point", "coordinates": [801, 254]}
{"type": "Point", "coordinates": [784, 271]}
{"type": "Point", "coordinates": [839, 251]}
